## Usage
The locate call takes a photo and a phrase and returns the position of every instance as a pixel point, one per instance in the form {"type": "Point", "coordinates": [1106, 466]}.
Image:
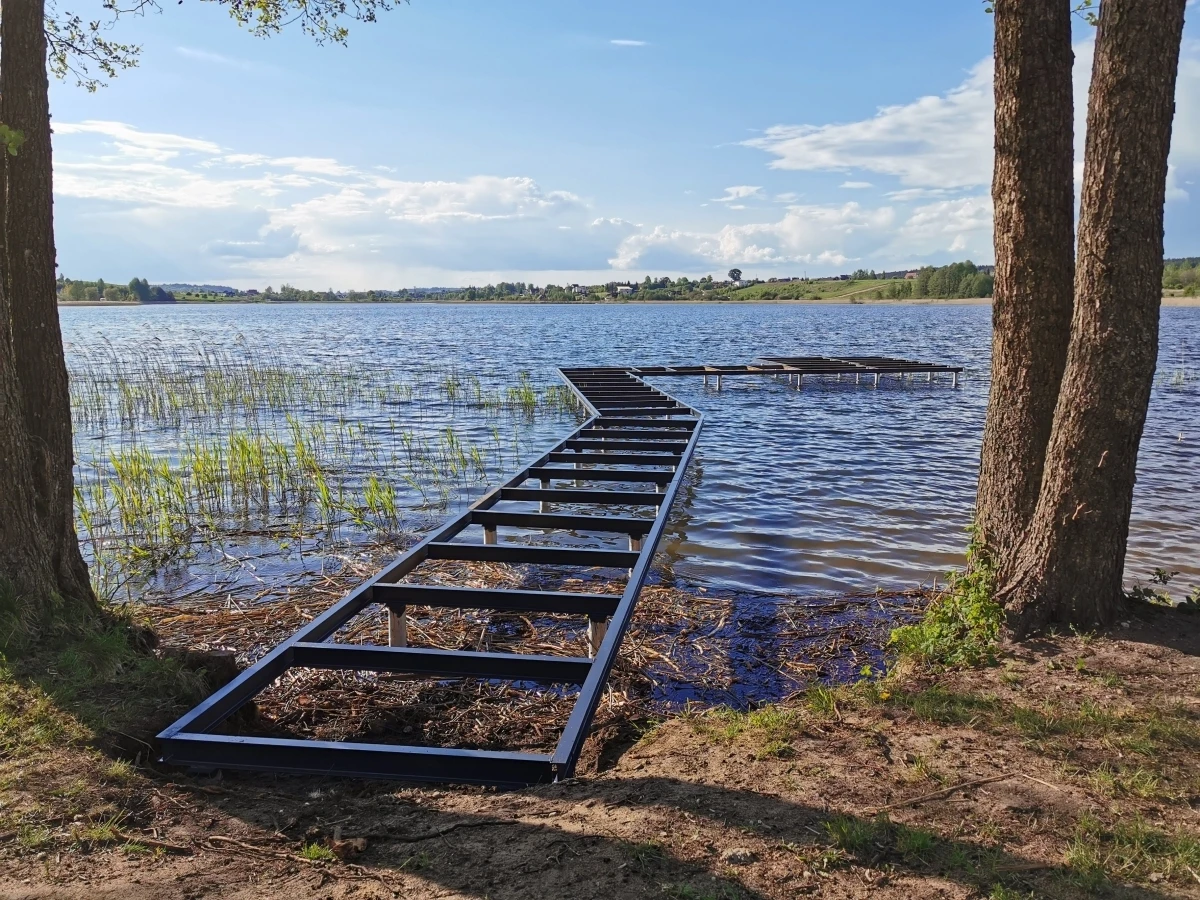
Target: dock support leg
{"type": "Point", "coordinates": [800, 381]}
{"type": "Point", "coordinates": [929, 377]}
{"type": "Point", "coordinates": [706, 381]}
{"type": "Point", "coordinates": [876, 380]}
{"type": "Point", "coordinates": [544, 506]}
{"type": "Point", "coordinates": [636, 541]}
{"type": "Point", "coordinates": [954, 383]}
{"type": "Point", "coordinates": [489, 535]}
{"type": "Point", "coordinates": [858, 377]}
{"type": "Point", "coordinates": [597, 629]}
{"type": "Point", "coordinates": [718, 382]}
{"type": "Point", "coordinates": [397, 627]}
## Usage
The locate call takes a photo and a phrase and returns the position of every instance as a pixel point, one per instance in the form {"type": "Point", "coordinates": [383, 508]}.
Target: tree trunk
{"type": "Point", "coordinates": [25, 569]}
{"type": "Point", "coordinates": [1069, 567]}
{"type": "Point", "coordinates": [39, 364]}
{"type": "Point", "coordinates": [1032, 192]}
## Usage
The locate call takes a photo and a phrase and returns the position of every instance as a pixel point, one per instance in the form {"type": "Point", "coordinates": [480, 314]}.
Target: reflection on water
{"type": "Point", "coordinates": [834, 487]}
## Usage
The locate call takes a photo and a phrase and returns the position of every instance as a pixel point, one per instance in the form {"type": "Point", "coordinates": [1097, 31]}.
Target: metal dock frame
{"type": "Point", "coordinates": [645, 432]}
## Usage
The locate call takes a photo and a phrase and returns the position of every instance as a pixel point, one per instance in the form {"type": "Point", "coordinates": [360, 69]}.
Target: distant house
{"type": "Point", "coordinates": [624, 290]}
{"type": "Point", "coordinates": [911, 276]}
{"type": "Point", "coordinates": [745, 282]}
{"type": "Point", "coordinates": [252, 293]}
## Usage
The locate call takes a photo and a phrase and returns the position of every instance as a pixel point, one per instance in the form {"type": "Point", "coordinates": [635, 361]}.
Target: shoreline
{"type": "Point", "coordinates": [832, 301]}
{"type": "Point", "coordinates": [1014, 780]}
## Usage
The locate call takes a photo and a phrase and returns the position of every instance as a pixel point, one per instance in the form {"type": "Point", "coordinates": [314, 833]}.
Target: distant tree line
{"type": "Point", "coordinates": [138, 289]}
{"type": "Point", "coordinates": [1183, 274]}
{"type": "Point", "coordinates": [959, 280]}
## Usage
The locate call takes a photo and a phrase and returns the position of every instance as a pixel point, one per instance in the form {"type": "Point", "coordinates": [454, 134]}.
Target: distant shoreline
{"type": "Point", "coordinates": [833, 301]}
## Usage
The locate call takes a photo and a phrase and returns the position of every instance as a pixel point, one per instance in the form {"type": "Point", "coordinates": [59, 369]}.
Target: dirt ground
{"type": "Point", "coordinates": [1067, 770]}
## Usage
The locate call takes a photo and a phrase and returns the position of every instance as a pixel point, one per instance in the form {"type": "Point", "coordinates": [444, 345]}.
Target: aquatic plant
{"type": "Point", "coordinates": [183, 456]}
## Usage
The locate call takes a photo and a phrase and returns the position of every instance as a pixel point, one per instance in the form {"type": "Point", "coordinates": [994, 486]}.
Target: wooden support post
{"type": "Point", "coordinates": [954, 383]}
{"type": "Point", "coordinates": [876, 380]}
{"type": "Point", "coordinates": [636, 541]}
{"type": "Point", "coordinates": [544, 506]}
{"type": "Point", "coordinates": [718, 382]}
{"type": "Point", "coordinates": [489, 535]}
{"type": "Point", "coordinates": [397, 627]}
{"type": "Point", "coordinates": [858, 377]}
{"type": "Point", "coordinates": [597, 629]}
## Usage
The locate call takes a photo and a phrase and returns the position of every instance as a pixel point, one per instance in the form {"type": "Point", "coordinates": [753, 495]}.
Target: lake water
{"type": "Point", "coordinates": [837, 487]}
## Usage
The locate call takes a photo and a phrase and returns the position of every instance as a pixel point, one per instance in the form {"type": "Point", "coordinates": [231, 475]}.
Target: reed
{"type": "Point", "coordinates": [182, 459]}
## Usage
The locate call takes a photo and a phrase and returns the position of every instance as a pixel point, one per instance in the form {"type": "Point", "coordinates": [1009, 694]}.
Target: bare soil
{"type": "Point", "coordinates": [1067, 770]}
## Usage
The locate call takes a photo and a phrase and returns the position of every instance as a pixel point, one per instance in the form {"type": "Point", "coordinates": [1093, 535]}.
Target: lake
{"type": "Point", "coordinates": [834, 488]}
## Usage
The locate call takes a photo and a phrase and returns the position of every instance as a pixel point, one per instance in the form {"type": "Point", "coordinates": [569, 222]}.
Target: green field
{"type": "Point", "coordinates": [816, 291]}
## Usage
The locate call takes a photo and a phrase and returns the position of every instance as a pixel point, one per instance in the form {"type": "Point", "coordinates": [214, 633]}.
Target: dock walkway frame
{"type": "Point", "coordinates": [631, 452]}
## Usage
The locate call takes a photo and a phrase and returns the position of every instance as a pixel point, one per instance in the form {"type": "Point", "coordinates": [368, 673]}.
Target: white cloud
{"type": "Point", "coordinates": [312, 217]}
{"type": "Point", "coordinates": [960, 226]}
{"type": "Point", "coordinates": [208, 56]}
{"type": "Point", "coordinates": [806, 234]}
{"type": "Point", "coordinates": [936, 141]}
{"type": "Point", "coordinates": [942, 145]}
{"type": "Point", "coordinates": [856, 185]}
{"type": "Point", "coordinates": [739, 192]}
{"type": "Point", "coordinates": [622, 42]}
{"type": "Point", "coordinates": [130, 141]}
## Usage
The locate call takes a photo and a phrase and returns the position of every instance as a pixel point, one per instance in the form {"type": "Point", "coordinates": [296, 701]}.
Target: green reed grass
{"type": "Point", "coordinates": [181, 457]}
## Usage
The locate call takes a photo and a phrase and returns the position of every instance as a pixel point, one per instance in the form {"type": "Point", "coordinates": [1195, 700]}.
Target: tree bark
{"type": "Point", "coordinates": [1033, 197]}
{"type": "Point", "coordinates": [36, 338]}
{"type": "Point", "coordinates": [25, 570]}
{"type": "Point", "coordinates": [1070, 565]}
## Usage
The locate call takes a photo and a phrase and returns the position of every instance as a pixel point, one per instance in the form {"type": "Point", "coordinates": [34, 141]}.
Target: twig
{"type": "Point", "coordinates": [152, 842]}
{"type": "Point", "coordinates": [1046, 783]}
{"type": "Point", "coordinates": [363, 873]}
{"type": "Point", "coordinates": [221, 839]}
{"type": "Point", "coordinates": [943, 792]}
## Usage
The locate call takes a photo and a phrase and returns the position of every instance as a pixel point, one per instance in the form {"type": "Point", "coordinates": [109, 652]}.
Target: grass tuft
{"type": "Point", "coordinates": [962, 624]}
{"type": "Point", "coordinates": [317, 853]}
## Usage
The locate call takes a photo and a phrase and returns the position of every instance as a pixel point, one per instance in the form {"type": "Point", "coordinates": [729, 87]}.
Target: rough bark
{"type": "Point", "coordinates": [1069, 567]}
{"type": "Point", "coordinates": [25, 570]}
{"type": "Point", "coordinates": [1033, 196]}
{"type": "Point", "coordinates": [39, 364]}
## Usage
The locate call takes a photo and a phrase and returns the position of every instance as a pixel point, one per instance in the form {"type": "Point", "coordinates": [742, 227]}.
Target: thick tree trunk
{"type": "Point", "coordinates": [31, 291]}
{"type": "Point", "coordinates": [1032, 192]}
{"type": "Point", "coordinates": [25, 569]}
{"type": "Point", "coordinates": [1069, 567]}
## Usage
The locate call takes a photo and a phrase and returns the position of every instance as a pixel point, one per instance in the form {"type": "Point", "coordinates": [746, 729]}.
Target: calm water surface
{"type": "Point", "coordinates": [833, 488]}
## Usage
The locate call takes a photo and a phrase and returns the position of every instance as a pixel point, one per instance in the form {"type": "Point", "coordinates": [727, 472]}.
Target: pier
{"type": "Point", "coordinates": [617, 474]}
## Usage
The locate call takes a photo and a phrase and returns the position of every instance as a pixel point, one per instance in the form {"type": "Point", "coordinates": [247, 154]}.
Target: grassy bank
{"type": "Point", "coordinates": [1065, 770]}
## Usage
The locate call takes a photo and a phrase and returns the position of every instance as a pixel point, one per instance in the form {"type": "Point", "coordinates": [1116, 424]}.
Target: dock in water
{"type": "Point", "coordinates": [630, 454]}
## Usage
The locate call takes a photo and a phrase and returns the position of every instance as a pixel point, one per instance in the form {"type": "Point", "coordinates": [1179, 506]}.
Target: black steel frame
{"type": "Point", "coordinates": [622, 409]}
{"type": "Point", "coordinates": [637, 436]}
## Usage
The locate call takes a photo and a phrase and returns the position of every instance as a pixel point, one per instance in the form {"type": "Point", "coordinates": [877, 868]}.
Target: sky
{"type": "Point", "coordinates": [456, 142]}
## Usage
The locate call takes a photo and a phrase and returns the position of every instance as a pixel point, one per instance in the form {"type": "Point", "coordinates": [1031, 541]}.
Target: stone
{"type": "Point", "coordinates": [739, 856]}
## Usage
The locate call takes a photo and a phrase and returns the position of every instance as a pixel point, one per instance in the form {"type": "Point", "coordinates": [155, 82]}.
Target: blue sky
{"type": "Point", "coordinates": [458, 142]}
